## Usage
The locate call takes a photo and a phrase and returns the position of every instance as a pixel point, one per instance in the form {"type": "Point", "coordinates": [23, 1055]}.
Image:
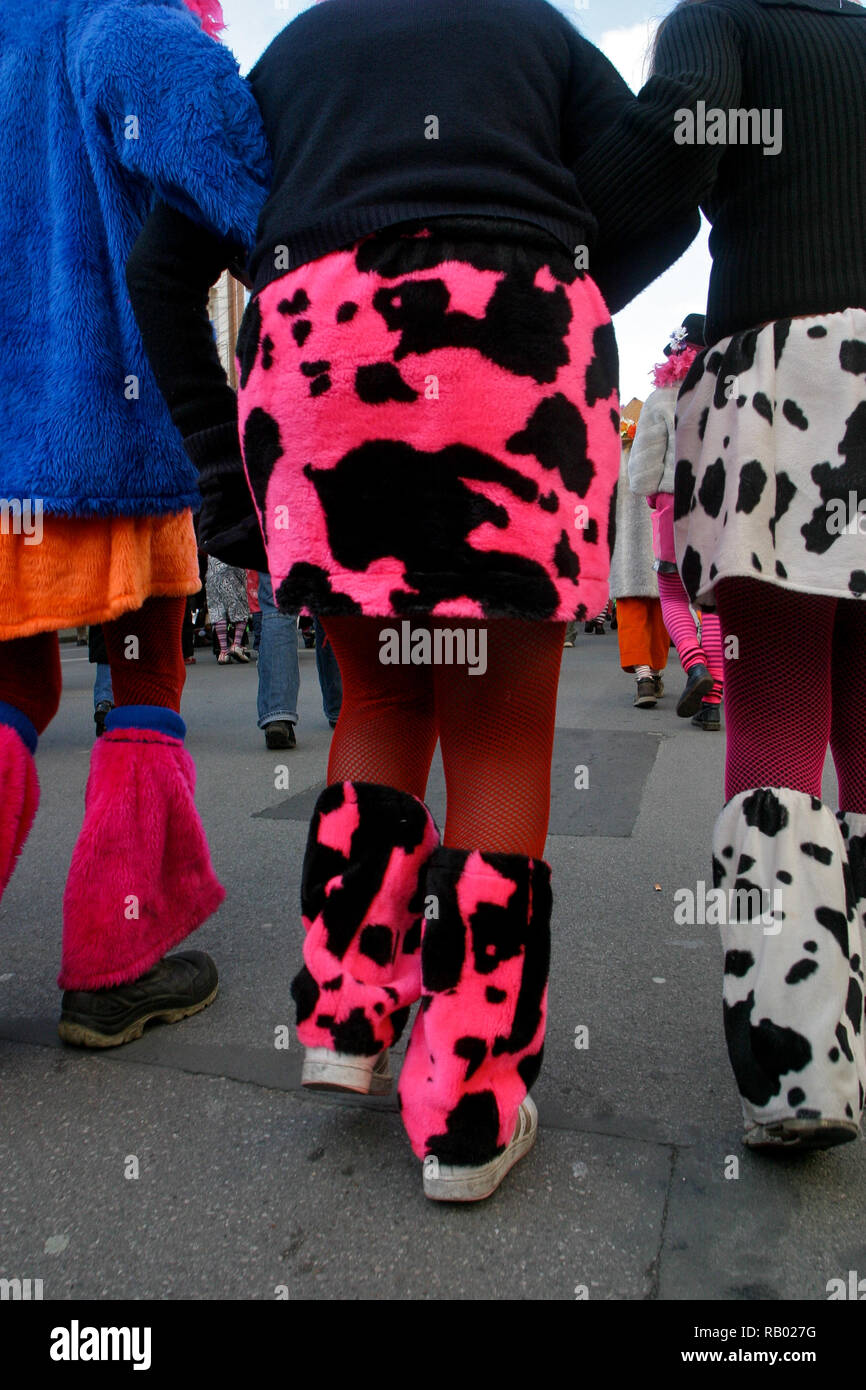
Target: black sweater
{"type": "Point", "coordinates": [383, 111]}
{"type": "Point", "coordinates": [788, 229]}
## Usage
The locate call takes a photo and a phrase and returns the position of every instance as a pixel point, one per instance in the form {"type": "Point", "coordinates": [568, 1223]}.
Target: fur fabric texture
{"type": "Point", "coordinates": [104, 105]}
{"type": "Point", "coordinates": [20, 800]}
{"type": "Point", "coordinates": [141, 877]}
{"type": "Point", "coordinates": [794, 975]}
{"type": "Point", "coordinates": [362, 905]}
{"type": "Point", "coordinates": [372, 498]}
{"type": "Point", "coordinates": [91, 570]}
{"type": "Point", "coordinates": [478, 1039]}
{"type": "Point", "coordinates": [652, 462]}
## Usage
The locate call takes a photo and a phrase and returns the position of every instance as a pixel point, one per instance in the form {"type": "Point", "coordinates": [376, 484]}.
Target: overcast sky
{"type": "Point", "coordinates": [622, 29]}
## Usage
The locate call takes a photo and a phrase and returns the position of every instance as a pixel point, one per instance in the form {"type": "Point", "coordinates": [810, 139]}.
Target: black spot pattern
{"type": "Point", "coordinates": [763, 809]}
{"type": "Point", "coordinates": [801, 970]}
{"type": "Point", "coordinates": [794, 415]}
{"type": "Point", "coordinates": [472, 1132]}
{"type": "Point", "coordinates": [377, 943]}
{"type": "Point", "coordinates": [852, 356]}
{"type": "Point", "coordinates": [262, 449]}
{"type": "Point", "coordinates": [837, 925]}
{"type": "Point", "coordinates": [761, 1055]}
{"type": "Point", "coordinates": [473, 1050]}
{"type": "Point", "coordinates": [565, 559]}
{"type": "Point", "coordinates": [753, 480]}
{"type": "Point", "coordinates": [299, 302]}
{"type": "Point", "coordinates": [556, 434]}
{"type": "Point", "coordinates": [819, 852]}
{"type": "Point", "coordinates": [711, 493]}
{"type": "Point", "coordinates": [380, 382]}
{"type": "Point", "coordinates": [836, 484]}
{"type": "Point", "coordinates": [248, 341]}
{"type": "Point", "coordinates": [762, 404]}
{"type": "Point", "coordinates": [602, 374]}
{"type": "Point", "coordinates": [738, 963]}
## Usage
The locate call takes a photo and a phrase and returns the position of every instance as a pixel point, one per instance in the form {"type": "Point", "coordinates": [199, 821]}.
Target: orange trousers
{"type": "Point", "coordinates": [643, 637]}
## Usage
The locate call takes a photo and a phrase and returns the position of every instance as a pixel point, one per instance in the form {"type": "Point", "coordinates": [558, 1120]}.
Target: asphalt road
{"type": "Point", "coordinates": [246, 1185]}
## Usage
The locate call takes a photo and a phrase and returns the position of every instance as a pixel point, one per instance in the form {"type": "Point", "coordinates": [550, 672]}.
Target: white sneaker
{"type": "Point", "coordinates": [443, 1183]}
{"type": "Point", "coordinates": [342, 1071]}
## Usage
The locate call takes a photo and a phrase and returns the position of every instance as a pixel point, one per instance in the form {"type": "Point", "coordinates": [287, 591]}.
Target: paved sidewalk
{"type": "Point", "coordinates": [247, 1185]}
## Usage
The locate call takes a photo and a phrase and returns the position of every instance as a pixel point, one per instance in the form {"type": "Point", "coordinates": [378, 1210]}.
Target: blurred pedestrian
{"type": "Point", "coordinates": [643, 638]}
{"type": "Point", "coordinates": [651, 475]}
{"type": "Point", "coordinates": [227, 609]}
{"type": "Point", "coordinates": [103, 695]}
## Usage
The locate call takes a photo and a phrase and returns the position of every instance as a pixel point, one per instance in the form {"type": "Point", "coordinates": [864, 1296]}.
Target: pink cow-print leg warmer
{"type": "Point", "coordinates": [362, 903]}
{"type": "Point", "coordinates": [477, 1043]}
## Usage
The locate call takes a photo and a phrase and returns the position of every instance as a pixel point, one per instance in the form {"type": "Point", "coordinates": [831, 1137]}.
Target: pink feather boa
{"type": "Point", "coordinates": [210, 12]}
{"type": "Point", "coordinates": [675, 368]}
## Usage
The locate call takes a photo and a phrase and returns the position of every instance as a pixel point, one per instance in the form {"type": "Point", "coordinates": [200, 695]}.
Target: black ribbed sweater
{"type": "Point", "coordinates": [789, 230]}
{"type": "Point", "coordinates": [381, 112]}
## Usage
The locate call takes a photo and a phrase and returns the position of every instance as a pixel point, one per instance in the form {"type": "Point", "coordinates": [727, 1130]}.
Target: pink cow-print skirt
{"type": "Point", "coordinates": [430, 425]}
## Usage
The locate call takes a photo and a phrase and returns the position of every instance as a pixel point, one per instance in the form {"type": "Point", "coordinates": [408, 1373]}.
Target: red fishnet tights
{"type": "Point", "coordinates": [795, 687]}
{"type": "Point", "coordinates": [495, 729]}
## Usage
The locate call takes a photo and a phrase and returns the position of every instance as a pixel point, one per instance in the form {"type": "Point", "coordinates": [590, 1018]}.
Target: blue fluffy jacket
{"type": "Point", "coordinates": [104, 104]}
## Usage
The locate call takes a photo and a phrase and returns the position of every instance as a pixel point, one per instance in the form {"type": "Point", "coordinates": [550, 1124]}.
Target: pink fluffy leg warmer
{"type": "Point", "coordinates": [141, 877]}
{"type": "Point", "coordinates": [477, 1043]}
{"type": "Point", "coordinates": [362, 904]}
{"type": "Point", "coordinates": [19, 799]}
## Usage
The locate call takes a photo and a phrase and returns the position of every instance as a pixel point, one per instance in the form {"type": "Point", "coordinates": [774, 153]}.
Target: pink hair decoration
{"type": "Point", "coordinates": [675, 368]}
{"type": "Point", "coordinates": [210, 12]}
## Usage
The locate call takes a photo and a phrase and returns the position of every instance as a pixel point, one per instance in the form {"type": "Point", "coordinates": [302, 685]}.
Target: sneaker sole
{"type": "Point", "coordinates": [801, 1136]}
{"type": "Point", "coordinates": [79, 1035]}
{"type": "Point", "coordinates": [646, 702]}
{"type": "Point", "coordinates": [476, 1184]}
{"type": "Point", "coordinates": [687, 707]}
{"type": "Point", "coordinates": [324, 1071]}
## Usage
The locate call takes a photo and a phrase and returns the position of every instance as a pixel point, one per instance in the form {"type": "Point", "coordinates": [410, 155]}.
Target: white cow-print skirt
{"type": "Point", "coordinates": [771, 459]}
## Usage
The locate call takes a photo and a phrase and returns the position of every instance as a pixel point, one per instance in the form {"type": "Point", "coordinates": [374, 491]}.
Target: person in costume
{"type": "Point", "coordinates": [641, 634]}
{"type": "Point", "coordinates": [651, 475]}
{"type": "Point", "coordinates": [770, 480]}
{"type": "Point", "coordinates": [103, 104]}
{"type": "Point", "coordinates": [428, 411]}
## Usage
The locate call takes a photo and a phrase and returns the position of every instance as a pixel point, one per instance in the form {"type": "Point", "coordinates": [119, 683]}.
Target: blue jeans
{"type": "Point", "coordinates": [279, 672]}
{"type": "Point", "coordinates": [102, 685]}
{"type": "Point", "coordinates": [330, 681]}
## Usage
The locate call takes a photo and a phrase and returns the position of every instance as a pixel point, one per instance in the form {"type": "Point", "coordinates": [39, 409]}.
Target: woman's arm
{"type": "Point", "coordinates": [599, 105]}
{"type": "Point", "coordinates": [172, 266]}
{"type": "Point", "coordinates": [638, 178]}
